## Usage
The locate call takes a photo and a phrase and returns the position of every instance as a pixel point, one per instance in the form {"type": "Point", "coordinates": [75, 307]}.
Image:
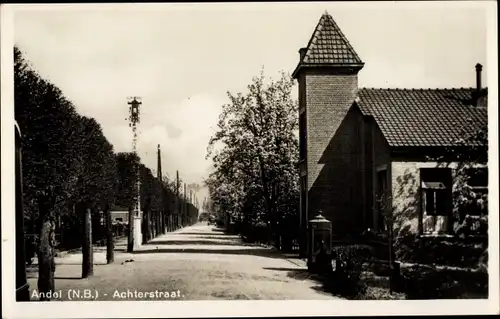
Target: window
{"type": "Point", "coordinates": [302, 136]}
{"type": "Point", "coordinates": [119, 219]}
{"type": "Point", "coordinates": [436, 211]}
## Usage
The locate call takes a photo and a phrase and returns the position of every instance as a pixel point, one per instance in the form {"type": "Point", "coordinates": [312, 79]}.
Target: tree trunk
{"type": "Point", "coordinates": [158, 223]}
{"type": "Point", "coordinates": [265, 186]}
{"type": "Point", "coordinates": [87, 247]}
{"type": "Point", "coordinates": [130, 244]}
{"type": "Point", "coordinates": [145, 222]}
{"type": "Point", "coordinates": [46, 253]}
{"type": "Point", "coordinates": [110, 245]}
{"type": "Point", "coordinates": [153, 226]}
{"type": "Point", "coordinates": [144, 227]}
{"type": "Point", "coordinates": [164, 222]}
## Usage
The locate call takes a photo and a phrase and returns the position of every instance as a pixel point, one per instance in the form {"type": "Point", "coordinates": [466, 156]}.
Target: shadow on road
{"type": "Point", "coordinates": [211, 236]}
{"type": "Point", "coordinates": [324, 282]}
{"type": "Point", "coordinates": [264, 252]}
{"type": "Point", "coordinates": [220, 230]}
{"type": "Point", "coordinates": [220, 242]}
{"type": "Point", "coordinates": [285, 269]}
{"type": "Point", "coordinates": [217, 234]}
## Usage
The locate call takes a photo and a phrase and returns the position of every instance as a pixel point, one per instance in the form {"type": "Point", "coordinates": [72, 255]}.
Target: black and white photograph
{"type": "Point", "coordinates": [249, 159]}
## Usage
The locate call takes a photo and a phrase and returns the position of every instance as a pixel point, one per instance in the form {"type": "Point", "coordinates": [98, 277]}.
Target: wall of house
{"type": "Point", "coordinates": [302, 168]}
{"type": "Point", "coordinates": [334, 150]}
{"type": "Point", "coordinates": [379, 151]}
{"type": "Point", "coordinates": [406, 194]}
{"type": "Point", "coordinates": [409, 247]}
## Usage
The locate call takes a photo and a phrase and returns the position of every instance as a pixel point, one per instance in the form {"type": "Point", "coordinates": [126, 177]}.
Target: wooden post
{"type": "Point", "coordinates": [145, 228]}
{"type": "Point", "coordinates": [110, 245]}
{"type": "Point", "coordinates": [46, 263]}
{"type": "Point", "coordinates": [130, 243]}
{"type": "Point", "coordinates": [87, 248]}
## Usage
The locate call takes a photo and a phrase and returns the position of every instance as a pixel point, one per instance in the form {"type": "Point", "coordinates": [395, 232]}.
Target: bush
{"type": "Point", "coordinates": [460, 252]}
{"type": "Point", "coordinates": [349, 262]}
{"type": "Point", "coordinates": [425, 282]}
{"type": "Point", "coordinates": [255, 233]}
{"type": "Point", "coordinates": [374, 235]}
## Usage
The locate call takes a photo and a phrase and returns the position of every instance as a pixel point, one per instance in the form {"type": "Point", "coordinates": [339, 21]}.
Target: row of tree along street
{"type": "Point", "coordinates": [255, 183]}
{"type": "Point", "coordinates": [72, 179]}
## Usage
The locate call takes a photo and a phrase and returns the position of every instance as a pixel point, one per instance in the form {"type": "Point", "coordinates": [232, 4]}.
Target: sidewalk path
{"type": "Point", "coordinates": [195, 263]}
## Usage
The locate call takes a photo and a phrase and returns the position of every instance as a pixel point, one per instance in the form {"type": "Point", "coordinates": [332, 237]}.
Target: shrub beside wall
{"type": "Point", "coordinates": [426, 282]}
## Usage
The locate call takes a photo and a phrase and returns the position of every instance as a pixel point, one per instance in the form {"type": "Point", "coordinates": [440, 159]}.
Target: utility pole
{"type": "Point", "coordinates": [178, 196]}
{"type": "Point", "coordinates": [135, 214]}
{"type": "Point", "coordinates": [185, 206]}
{"type": "Point", "coordinates": [162, 199]}
{"type": "Point", "coordinates": [190, 202]}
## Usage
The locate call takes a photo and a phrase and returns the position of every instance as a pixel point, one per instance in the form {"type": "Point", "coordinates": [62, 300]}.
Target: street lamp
{"type": "Point", "coordinates": [134, 118]}
{"type": "Point", "coordinates": [134, 112]}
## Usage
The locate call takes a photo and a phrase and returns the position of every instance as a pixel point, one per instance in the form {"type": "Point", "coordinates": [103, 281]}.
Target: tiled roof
{"type": "Point", "coordinates": [329, 45]}
{"type": "Point", "coordinates": [424, 117]}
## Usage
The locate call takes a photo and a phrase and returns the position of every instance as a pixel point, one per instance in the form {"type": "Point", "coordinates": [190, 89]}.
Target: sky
{"type": "Point", "coordinates": [181, 59]}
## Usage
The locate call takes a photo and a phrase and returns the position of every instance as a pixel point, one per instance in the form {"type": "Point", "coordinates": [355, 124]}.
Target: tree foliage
{"type": "Point", "coordinates": [71, 173]}
{"type": "Point", "coordinates": [255, 152]}
{"type": "Point", "coordinates": [470, 154]}
{"type": "Point", "coordinates": [67, 162]}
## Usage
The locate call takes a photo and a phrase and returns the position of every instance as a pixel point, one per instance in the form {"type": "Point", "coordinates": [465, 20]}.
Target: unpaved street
{"type": "Point", "coordinates": [194, 263]}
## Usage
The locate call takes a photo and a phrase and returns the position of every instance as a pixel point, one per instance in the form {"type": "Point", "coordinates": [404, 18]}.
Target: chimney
{"type": "Point", "coordinates": [302, 53]}
{"type": "Point", "coordinates": [479, 68]}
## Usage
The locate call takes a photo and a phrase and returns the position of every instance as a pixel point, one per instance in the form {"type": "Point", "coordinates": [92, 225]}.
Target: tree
{"type": "Point", "coordinates": [68, 163]}
{"type": "Point", "coordinates": [95, 183]}
{"type": "Point", "coordinates": [127, 189]}
{"type": "Point", "coordinates": [469, 152]}
{"type": "Point", "coordinates": [49, 170]}
{"type": "Point", "coordinates": [107, 200]}
{"type": "Point", "coordinates": [149, 203]}
{"type": "Point", "coordinates": [256, 177]}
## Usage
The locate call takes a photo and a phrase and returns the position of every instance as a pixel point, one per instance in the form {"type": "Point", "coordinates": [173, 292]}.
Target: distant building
{"type": "Point", "coordinates": [120, 215]}
{"type": "Point", "coordinates": [357, 144]}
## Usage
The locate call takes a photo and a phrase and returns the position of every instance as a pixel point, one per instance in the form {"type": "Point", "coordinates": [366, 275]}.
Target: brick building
{"type": "Point", "coordinates": [358, 143]}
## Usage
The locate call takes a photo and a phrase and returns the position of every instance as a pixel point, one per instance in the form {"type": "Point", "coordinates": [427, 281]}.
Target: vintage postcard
{"type": "Point", "coordinates": [249, 159]}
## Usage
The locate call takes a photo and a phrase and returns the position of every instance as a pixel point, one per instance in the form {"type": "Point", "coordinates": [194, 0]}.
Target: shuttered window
{"type": "Point", "coordinates": [436, 187]}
